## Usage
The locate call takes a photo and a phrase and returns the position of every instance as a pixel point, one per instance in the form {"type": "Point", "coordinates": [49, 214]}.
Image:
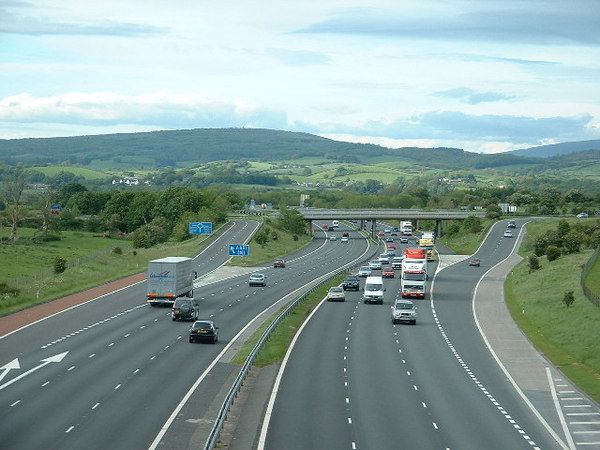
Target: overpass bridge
{"type": "Point", "coordinates": [414, 215]}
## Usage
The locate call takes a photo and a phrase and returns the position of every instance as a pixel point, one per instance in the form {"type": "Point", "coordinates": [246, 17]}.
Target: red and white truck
{"type": "Point", "coordinates": [413, 283]}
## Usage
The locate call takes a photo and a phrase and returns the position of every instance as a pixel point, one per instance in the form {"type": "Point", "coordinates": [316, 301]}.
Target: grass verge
{"type": "Point", "coordinates": [567, 336]}
{"type": "Point", "coordinates": [467, 243]}
{"type": "Point", "coordinates": [37, 284]}
{"type": "Point", "coordinates": [276, 346]}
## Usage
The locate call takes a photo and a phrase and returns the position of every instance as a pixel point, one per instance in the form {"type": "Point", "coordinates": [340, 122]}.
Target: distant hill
{"type": "Point", "coordinates": [545, 151]}
{"type": "Point", "coordinates": [187, 148]}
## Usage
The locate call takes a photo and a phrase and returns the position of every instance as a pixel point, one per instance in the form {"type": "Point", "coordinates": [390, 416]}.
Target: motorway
{"type": "Point", "coordinates": [112, 372]}
{"type": "Point", "coordinates": [353, 380]}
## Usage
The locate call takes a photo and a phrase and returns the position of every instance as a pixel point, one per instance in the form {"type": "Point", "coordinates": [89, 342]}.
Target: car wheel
{"type": "Point", "coordinates": [414, 322]}
{"type": "Point", "coordinates": [173, 319]}
{"type": "Point", "coordinates": [191, 341]}
{"type": "Point", "coordinates": [214, 340]}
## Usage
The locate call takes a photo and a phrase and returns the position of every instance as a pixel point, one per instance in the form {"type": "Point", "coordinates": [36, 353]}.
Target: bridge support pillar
{"type": "Point", "coordinates": [438, 228]}
{"type": "Point", "coordinates": [373, 228]}
{"type": "Point", "coordinates": [311, 232]}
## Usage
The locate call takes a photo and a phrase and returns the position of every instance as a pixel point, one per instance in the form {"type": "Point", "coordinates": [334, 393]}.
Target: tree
{"type": "Point", "coordinates": [493, 211]}
{"type": "Point", "coordinates": [563, 227]}
{"type": "Point", "coordinates": [66, 192]}
{"type": "Point", "coordinates": [291, 220]}
{"type": "Point", "coordinates": [12, 196]}
{"type": "Point", "coordinates": [534, 263]}
{"type": "Point", "coordinates": [568, 299]}
{"type": "Point", "coordinates": [175, 201]}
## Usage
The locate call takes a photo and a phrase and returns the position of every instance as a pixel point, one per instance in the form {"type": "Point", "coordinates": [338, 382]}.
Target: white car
{"type": "Point", "coordinates": [508, 233]}
{"type": "Point", "coordinates": [375, 265]}
{"type": "Point", "coordinates": [581, 215]}
{"type": "Point", "coordinates": [336, 294]}
{"type": "Point", "coordinates": [364, 271]}
{"type": "Point", "coordinates": [333, 237]}
{"type": "Point", "coordinates": [344, 239]}
{"type": "Point", "coordinates": [384, 258]}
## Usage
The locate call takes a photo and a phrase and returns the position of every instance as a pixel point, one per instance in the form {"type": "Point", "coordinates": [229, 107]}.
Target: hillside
{"type": "Point", "coordinates": [545, 151]}
{"type": "Point", "coordinates": [188, 148]}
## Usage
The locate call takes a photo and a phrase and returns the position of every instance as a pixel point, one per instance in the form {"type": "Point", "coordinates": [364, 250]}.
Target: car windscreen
{"type": "Point", "coordinates": [202, 326]}
{"type": "Point", "coordinates": [373, 287]}
{"type": "Point", "coordinates": [404, 306]}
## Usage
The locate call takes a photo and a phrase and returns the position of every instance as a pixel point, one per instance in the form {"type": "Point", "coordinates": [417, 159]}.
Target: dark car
{"type": "Point", "coordinates": [345, 234]}
{"type": "Point", "coordinates": [474, 262]}
{"type": "Point", "coordinates": [185, 309]}
{"type": "Point", "coordinates": [204, 330]}
{"type": "Point", "coordinates": [351, 283]}
{"type": "Point", "coordinates": [279, 263]}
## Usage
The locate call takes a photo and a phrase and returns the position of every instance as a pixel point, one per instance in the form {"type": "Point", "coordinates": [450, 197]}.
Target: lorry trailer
{"type": "Point", "coordinates": [168, 279]}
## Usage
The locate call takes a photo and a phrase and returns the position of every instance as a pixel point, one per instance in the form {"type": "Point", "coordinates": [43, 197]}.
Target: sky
{"type": "Point", "coordinates": [486, 76]}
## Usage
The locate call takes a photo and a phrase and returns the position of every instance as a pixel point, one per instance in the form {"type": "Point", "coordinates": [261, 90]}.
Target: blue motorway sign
{"type": "Point", "coordinates": [239, 250]}
{"type": "Point", "coordinates": [201, 227]}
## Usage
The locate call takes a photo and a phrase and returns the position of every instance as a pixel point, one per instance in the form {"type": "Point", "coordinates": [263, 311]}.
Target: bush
{"type": "Point", "coordinates": [534, 263]}
{"type": "Point", "coordinates": [60, 264]}
{"type": "Point", "coordinates": [8, 291]}
{"type": "Point", "coordinates": [568, 299]}
{"type": "Point", "coordinates": [552, 252]}
{"type": "Point", "coordinates": [117, 250]}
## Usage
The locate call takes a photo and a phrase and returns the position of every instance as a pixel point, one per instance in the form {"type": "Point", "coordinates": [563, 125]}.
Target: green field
{"type": "Point", "coordinates": [88, 174]}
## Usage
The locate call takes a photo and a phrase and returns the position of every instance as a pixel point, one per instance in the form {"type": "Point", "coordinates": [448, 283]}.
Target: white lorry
{"type": "Point", "coordinates": [406, 228]}
{"type": "Point", "coordinates": [168, 279]}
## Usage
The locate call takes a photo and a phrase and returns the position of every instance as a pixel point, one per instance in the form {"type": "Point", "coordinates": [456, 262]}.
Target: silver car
{"type": "Point", "coordinates": [404, 311]}
{"type": "Point", "coordinates": [364, 271]}
{"type": "Point", "coordinates": [336, 294]}
{"type": "Point", "coordinates": [257, 279]}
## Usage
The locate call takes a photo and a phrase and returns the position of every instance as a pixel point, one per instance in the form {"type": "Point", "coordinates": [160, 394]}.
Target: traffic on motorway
{"type": "Point", "coordinates": [125, 363]}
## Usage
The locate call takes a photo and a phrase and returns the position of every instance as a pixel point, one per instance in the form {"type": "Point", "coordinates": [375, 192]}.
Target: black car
{"type": "Point", "coordinates": [185, 309]}
{"type": "Point", "coordinates": [351, 283]}
{"type": "Point", "coordinates": [204, 330]}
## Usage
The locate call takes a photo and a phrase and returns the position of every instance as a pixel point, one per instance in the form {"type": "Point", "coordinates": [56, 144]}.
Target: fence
{"type": "Point", "coordinates": [592, 296]}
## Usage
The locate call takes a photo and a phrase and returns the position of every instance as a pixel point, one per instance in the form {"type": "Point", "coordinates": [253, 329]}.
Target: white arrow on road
{"type": "Point", "coordinates": [45, 362]}
{"type": "Point", "coordinates": [14, 364]}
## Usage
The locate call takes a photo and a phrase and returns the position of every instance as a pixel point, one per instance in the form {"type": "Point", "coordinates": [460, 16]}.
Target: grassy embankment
{"type": "Point", "coordinates": [93, 261]}
{"type": "Point", "coordinates": [566, 336]}
{"type": "Point", "coordinates": [467, 243]}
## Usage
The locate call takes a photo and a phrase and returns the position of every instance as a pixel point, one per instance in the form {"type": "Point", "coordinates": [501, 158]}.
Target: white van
{"type": "Point", "coordinates": [373, 292]}
{"type": "Point", "coordinates": [335, 223]}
